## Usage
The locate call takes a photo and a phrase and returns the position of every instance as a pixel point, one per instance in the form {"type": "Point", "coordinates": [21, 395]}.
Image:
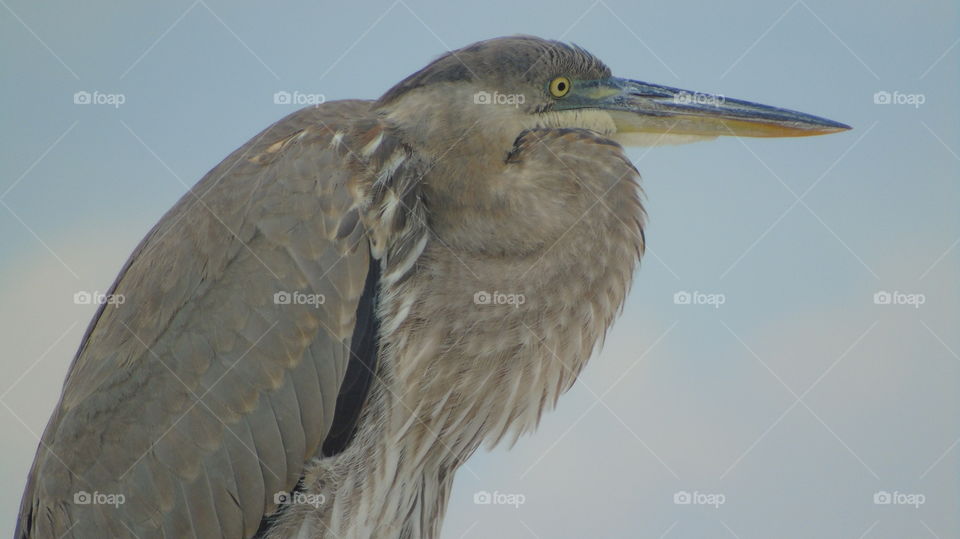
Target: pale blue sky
{"type": "Point", "coordinates": [798, 399]}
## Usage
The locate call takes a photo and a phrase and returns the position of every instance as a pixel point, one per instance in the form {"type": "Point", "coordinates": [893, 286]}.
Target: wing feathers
{"type": "Point", "coordinates": [202, 319]}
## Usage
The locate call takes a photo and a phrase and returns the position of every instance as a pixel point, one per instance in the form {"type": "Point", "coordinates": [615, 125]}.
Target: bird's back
{"type": "Point", "coordinates": [196, 400]}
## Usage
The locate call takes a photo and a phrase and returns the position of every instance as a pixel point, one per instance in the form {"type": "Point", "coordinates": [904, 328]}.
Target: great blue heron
{"type": "Point", "coordinates": [330, 323]}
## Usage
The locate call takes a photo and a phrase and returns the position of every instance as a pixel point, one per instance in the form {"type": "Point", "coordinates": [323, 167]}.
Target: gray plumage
{"type": "Point", "coordinates": [202, 399]}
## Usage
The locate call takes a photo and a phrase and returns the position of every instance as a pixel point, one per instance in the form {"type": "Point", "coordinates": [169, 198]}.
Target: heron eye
{"type": "Point", "coordinates": [560, 86]}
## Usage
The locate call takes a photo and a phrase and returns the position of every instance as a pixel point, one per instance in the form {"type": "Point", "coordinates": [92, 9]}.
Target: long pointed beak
{"type": "Point", "coordinates": [647, 108]}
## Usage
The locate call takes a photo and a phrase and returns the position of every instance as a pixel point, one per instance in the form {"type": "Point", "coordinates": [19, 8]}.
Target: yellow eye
{"type": "Point", "coordinates": [560, 86]}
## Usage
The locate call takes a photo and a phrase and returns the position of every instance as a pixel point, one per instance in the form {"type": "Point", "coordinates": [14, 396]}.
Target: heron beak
{"type": "Point", "coordinates": [639, 107]}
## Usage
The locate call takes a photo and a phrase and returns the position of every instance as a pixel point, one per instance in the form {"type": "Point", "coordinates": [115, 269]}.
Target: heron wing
{"type": "Point", "coordinates": [201, 396]}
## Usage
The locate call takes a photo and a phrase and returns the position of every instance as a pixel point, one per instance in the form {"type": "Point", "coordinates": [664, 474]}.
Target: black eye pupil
{"type": "Point", "coordinates": [561, 86]}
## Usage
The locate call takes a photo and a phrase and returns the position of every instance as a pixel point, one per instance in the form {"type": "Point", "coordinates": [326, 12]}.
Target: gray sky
{"type": "Point", "coordinates": [794, 402]}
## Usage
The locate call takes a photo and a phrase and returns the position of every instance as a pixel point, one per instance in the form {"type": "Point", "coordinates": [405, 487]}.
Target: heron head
{"type": "Point", "coordinates": [491, 91]}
